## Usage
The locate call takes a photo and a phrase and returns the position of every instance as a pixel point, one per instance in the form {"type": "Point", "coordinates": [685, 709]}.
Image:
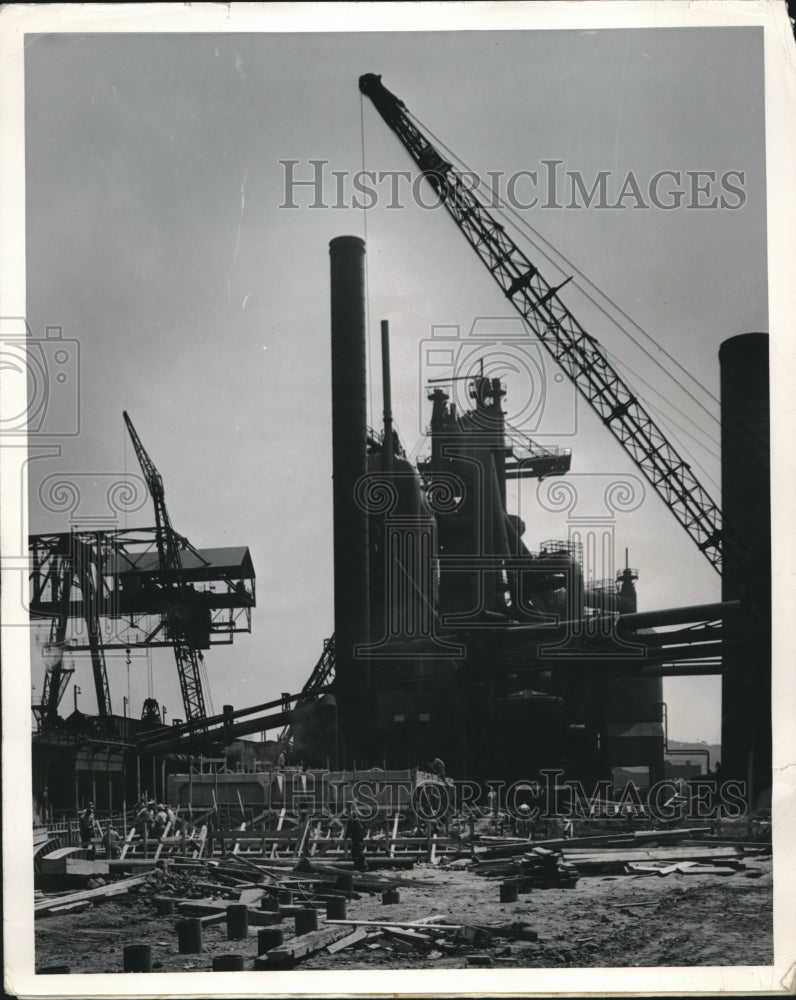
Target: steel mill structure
{"type": "Point", "coordinates": [456, 637]}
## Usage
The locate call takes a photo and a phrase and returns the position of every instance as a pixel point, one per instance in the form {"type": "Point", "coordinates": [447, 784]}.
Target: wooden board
{"type": "Point", "coordinates": [113, 889]}
{"type": "Point", "coordinates": [652, 854]}
{"type": "Point", "coordinates": [251, 896]}
{"type": "Point", "coordinates": [71, 907]}
{"type": "Point", "coordinates": [286, 955]}
{"type": "Point", "coordinates": [74, 866]}
{"type": "Point", "coordinates": [218, 908]}
{"type": "Point", "coordinates": [618, 839]}
{"type": "Point", "coordinates": [409, 936]}
{"type": "Point", "coordinates": [407, 924]}
{"type": "Point", "coordinates": [354, 938]}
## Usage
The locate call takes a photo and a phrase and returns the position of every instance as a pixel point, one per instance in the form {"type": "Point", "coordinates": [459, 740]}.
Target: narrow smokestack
{"type": "Point", "coordinates": [746, 570]}
{"type": "Point", "coordinates": [387, 393]}
{"type": "Point", "coordinates": [349, 465]}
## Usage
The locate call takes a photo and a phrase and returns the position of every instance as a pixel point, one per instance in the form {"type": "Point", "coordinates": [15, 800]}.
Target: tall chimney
{"type": "Point", "coordinates": [349, 464]}
{"type": "Point", "coordinates": [746, 569]}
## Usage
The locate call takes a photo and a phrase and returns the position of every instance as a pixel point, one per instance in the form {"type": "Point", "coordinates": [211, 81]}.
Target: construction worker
{"type": "Point", "coordinates": [86, 824]}
{"type": "Point", "coordinates": [143, 820]}
{"type": "Point", "coordinates": [355, 832]}
{"type": "Point", "coordinates": [111, 843]}
{"type": "Point", "coordinates": [160, 821]}
{"type": "Point", "coordinates": [523, 823]}
{"type": "Point", "coordinates": [438, 767]}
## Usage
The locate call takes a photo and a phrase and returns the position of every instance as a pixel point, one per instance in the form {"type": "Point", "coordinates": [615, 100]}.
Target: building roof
{"type": "Point", "coordinates": [234, 562]}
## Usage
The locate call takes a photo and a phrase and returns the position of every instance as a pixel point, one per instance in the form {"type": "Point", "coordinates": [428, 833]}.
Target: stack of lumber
{"type": "Point", "coordinates": [651, 859]}
{"type": "Point", "coordinates": [539, 868]}
{"type": "Point", "coordinates": [511, 848]}
{"type": "Point", "coordinates": [554, 863]}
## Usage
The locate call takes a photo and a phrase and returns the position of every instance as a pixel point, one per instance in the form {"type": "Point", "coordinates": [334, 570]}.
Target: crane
{"type": "Point", "coordinates": [181, 622]}
{"type": "Point", "coordinates": [74, 562]}
{"type": "Point", "coordinates": [578, 353]}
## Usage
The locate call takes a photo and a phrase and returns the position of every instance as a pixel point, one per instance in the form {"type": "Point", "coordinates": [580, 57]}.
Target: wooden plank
{"type": "Point", "coordinates": [745, 845]}
{"type": "Point", "coordinates": [72, 861]}
{"type": "Point", "coordinates": [71, 908]}
{"type": "Point", "coordinates": [652, 854]}
{"type": "Point", "coordinates": [113, 889]}
{"type": "Point", "coordinates": [695, 869]}
{"type": "Point", "coordinates": [279, 823]}
{"type": "Point", "coordinates": [408, 924]}
{"type": "Point", "coordinates": [394, 837]}
{"type": "Point", "coordinates": [218, 908]}
{"type": "Point", "coordinates": [128, 842]}
{"type": "Point", "coordinates": [603, 840]}
{"type": "Point", "coordinates": [286, 955]}
{"type": "Point", "coordinates": [354, 938]}
{"type": "Point", "coordinates": [161, 840]}
{"type": "Point", "coordinates": [251, 896]}
{"type": "Point", "coordinates": [411, 937]}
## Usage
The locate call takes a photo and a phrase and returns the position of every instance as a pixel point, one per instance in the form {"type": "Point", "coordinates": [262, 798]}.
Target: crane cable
{"type": "Point", "coordinates": [506, 211]}
{"type": "Point", "coordinates": [523, 223]}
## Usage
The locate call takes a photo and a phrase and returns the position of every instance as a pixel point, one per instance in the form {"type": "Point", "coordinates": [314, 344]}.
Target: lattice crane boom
{"type": "Point", "coordinates": [577, 352]}
{"type": "Point", "coordinates": [188, 659]}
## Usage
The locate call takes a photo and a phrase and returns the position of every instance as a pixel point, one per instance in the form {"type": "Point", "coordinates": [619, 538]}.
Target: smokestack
{"type": "Point", "coordinates": [349, 465]}
{"type": "Point", "coordinates": [387, 394]}
{"type": "Point", "coordinates": [746, 569]}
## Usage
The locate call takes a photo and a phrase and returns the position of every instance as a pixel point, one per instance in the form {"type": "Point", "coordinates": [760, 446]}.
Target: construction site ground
{"type": "Point", "coordinates": [608, 921]}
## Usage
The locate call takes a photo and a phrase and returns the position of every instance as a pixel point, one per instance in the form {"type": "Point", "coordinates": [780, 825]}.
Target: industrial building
{"type": "Point", "coordinates": [457, 637]}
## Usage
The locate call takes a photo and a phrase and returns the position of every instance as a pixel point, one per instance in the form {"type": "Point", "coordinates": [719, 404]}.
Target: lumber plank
{"type": "Point", "coordinates": [70, 907]}
{"type": "Point", "coordinates": [251, 896]}
{"type": "Point", "coordinates": [286, 955]}
{"type": "Point", "coordinates": [618, 839]}
{"type": "Point", "coordinates": [112, 889]}
{"type": "Point", "coordinates": [401, 924]}
{"type": "Point", "coordinates": [410, 937]}
{"type": "Point", "coordinates": [218, 908]}
{"type": "Point", "coordinates": [353, 938]}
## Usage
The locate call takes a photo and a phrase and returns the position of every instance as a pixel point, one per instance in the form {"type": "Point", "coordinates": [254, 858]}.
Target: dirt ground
{"type": "Point", "coordinates": [680, 920]}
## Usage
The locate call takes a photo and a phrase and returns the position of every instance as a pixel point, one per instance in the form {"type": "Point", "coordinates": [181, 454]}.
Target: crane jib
{"type": "Point", "coordinates": [577, 352]}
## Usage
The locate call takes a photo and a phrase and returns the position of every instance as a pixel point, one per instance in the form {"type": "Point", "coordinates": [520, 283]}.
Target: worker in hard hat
{"type": "Point", "coordinates": [523, 822]}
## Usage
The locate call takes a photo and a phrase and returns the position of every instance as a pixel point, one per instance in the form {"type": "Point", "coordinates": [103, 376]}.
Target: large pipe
{"type": "Point", "coordinates": [746, 532]}
{"type": "Point", "coordinates": [678, 616]}
{"type": "Point", "coordinates": [349, 465]}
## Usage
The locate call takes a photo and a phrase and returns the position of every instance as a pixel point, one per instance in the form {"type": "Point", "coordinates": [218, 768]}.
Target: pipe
{"type": "Point", "coordinates": [678, 616]}
{"type": "Point", "coordinates": [188, 727]}
{"type": "Point", "coordinates": [710, 668]}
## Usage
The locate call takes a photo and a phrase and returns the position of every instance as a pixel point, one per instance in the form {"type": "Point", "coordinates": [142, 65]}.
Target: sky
{"type": "Point", "coordinates": [159, 241]}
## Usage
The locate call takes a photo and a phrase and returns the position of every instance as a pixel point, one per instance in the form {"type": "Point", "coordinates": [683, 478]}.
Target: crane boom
{"type": "Point", "coordinates": [577, 352]}
{"type": "Point", "coordinates": [168, 545]}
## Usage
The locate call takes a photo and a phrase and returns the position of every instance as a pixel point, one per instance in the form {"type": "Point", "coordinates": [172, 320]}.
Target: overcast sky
{"type": "Point", "coordinates": [156, 240]}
